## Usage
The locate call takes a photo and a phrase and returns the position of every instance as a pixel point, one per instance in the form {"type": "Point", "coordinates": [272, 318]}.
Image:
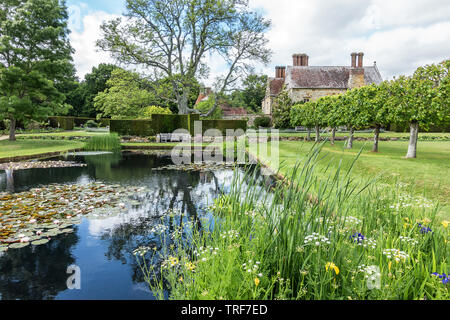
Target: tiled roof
{"type": "Point", "coordinates": [276, 85]}
{"type": "Point", "coordinates": [326, 77]}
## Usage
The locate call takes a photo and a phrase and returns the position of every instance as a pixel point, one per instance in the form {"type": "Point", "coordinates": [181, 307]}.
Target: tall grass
{"type": "Point", "coordinates": [282, 243]}
{"type": "Point", "coordinates": [107, 142]}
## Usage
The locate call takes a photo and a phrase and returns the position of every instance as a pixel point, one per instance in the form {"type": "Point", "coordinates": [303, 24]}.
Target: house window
{"type": "Point", "coordinates": [305, 100]}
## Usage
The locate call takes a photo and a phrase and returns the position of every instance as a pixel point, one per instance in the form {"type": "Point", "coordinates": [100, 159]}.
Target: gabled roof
{"type": "Point", "coordinates": [326, 77]}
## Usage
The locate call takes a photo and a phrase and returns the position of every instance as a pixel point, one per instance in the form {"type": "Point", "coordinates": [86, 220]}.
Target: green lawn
{"type": "Point", "coordinates": [428, 175]}
{"type": "Point", "coordinates": [74, 133]}
{"type": "Point", "coordinates": [387, 134]}
{"type": "Point", "coordinates": [34, 147]}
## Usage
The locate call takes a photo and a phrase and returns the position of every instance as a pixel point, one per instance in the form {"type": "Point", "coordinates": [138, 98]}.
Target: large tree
{"type": "Point", "coordinates": [421, 100]}
{"type": "Point", "coordinates": [281, 111]}
{"type": "Point", "coordinates": [171, 39]}
{"type": "Point", "coordinates": [35, 55]}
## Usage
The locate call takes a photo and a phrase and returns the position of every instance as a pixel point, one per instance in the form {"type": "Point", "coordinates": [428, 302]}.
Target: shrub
{"type": "Point", "coordinates": [107, 142]}
{"type": "Point", "coordinates": [263, 122]}
{"type": "Point", "coordinates": [148, 111]}
{"type": "Point", "coordinates": [281, 111]}
{"type": "Point", "coordinates": [91, 124]}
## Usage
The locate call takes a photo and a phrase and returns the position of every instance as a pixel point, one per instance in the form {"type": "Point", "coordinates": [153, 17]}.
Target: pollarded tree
{"type": "Point", "coordinates": [421, 100]}
{"type": "Point", "coordinates": [373, 111]}
{"type": "Point", "coordinates": [332, 116]}
{"type": "Point", "coordinates": [35, 55]}
{"type": "Point", "coordinates": [307, 115]}
{"type": "Point", "coordinates": [171, 39]}
{"type": "Point", "coordinates": [348, 109]}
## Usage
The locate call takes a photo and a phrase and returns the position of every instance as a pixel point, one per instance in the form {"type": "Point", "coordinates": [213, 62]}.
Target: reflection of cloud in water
{"type": "Point", "coordinates": [154, 205]}
{"type": "Point", "coordinates": [142, 286]}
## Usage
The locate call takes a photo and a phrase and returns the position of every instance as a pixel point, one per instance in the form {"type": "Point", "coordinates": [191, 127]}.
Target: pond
{"type": "Point", "coordinates": [102, 247]}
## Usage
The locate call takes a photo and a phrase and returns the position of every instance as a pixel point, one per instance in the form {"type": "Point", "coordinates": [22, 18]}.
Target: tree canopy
{"type": "Point", "coordinates": [171, 40]}
{"type": "Point", "coordinates": [35, 56]}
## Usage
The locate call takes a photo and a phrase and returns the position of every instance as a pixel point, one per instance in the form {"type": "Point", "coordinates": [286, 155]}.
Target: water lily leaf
{"type": "Point", "coordinates": [39, 242]}
{"type": "Point", "coordinates": [18, 245]}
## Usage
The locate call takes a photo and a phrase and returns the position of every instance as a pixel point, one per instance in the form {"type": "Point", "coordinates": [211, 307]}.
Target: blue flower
{"type": "Point", "coordinates": [424, 229]}
{"type": "Point", "coordinates": [443, 276]}
{"type": "Point", "coordinates": [357, 237]}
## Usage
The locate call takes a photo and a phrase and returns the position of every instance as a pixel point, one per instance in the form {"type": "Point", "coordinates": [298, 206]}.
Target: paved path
{"type": "Point", "coordinates": [3, 137]}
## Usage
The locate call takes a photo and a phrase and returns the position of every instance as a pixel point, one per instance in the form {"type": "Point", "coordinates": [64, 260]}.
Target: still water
{"type": "Point", "coordinates": [103, 248]}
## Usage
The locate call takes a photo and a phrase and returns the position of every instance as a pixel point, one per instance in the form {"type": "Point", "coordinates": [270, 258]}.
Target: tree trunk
{"type": "Point", "coordinates": [413, 136]}
{"type": "Point", "coordinates": [376, 138]}
{"type": "Point", "coordinates": [308, 135]}
{"type": "Point", "coordinates": [350, 139]}
{"type": "Point", "coordinates": [333, 135]}
{"type": "Point", "coordinates": [317, 134]}
{"type": "Point", "coordinates": [12, 129]}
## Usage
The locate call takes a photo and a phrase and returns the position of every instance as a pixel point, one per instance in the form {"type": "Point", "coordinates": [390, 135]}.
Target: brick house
{"type": "Point", "coordinates": [305, 83]}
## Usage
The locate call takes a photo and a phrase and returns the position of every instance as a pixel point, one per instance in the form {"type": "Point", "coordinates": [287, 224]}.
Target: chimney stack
{"type": "Point", "coordinates": [360, 59]}
{"type": "Point", "coordinates": [280, 72]}
{"type": "Point", "coordinates": [300, 60]}
{"type": "Point", "coordinates": [354, 54]}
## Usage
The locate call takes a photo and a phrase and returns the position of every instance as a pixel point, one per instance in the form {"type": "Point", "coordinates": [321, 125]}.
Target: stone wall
{"type": "Point", "coordinates": [249, 117]}
{"type": "Point", "coordinates": [297, 95]}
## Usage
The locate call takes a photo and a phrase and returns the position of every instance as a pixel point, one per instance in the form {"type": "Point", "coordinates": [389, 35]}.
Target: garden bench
{"type": "Point", "coordinates": [172, 137]}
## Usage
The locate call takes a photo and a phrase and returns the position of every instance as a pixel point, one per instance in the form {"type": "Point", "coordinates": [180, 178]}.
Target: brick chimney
{"type": "Point", "coordinates": [305, 60]}
{"type": "Point", "coordinates": [280, 72]}
{"type": "Point", "coordinates": [356, 72]}
{"type": "Point", "coordinates": [296, 60]}
{"type": "Point", "coordinates": [360, 59]}
{"type": "Point", "coordinates": [354, 54]}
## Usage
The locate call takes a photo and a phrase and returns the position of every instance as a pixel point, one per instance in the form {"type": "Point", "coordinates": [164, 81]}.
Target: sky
{"type": "Point", "coordinates": [400, 35]}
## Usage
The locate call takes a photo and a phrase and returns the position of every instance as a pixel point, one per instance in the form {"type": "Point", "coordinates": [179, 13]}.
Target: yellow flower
{"type": "Point", "coordinates": [256, 281]}
{"type": "Point", "coordinates": [332, 266]}
{"type": "Point", "coordinates": [181, 279]}
{"type": "Point", "coordinates": [390, 265]}
{"type": "Point", "coordinates": [445, 223]}
{"type": "Point", "coordinates": [190, 266]}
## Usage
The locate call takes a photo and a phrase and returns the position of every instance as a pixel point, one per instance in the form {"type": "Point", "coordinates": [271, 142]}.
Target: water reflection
{"type": "Point", "coordinates": [102, 248]}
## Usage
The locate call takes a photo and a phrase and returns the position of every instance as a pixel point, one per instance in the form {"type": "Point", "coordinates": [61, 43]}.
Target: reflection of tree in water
{"type": "Point", "coordinates": [37, 272]}
{"type": "Point", "coordinates": [174, 190]}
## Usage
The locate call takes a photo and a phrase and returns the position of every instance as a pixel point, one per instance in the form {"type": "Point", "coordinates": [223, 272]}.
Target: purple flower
{"type": "Point", "coordinates": [443, 276]}
{"type": "Point", "coordinates": [424, 229]}
{"type": "Point", "coordinates": [357, 237]}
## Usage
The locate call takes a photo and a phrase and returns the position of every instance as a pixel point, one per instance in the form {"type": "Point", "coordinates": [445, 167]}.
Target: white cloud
{"type": "Point", "coordinates": [83, 40]}
{"type": "Point", "coordinates": [399, 34]}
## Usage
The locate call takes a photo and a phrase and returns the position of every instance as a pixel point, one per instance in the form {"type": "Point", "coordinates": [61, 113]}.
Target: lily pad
{"type": "Point", "coordinates": [19, 245]}
{"type": "Point", "coordinates": [39, 242]}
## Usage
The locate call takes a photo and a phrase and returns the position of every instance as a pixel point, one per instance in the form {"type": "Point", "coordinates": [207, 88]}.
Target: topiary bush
{"type": "Point", "coordinates": [91, 124]}
{"type": "Point", "coordinates": [263, 122]}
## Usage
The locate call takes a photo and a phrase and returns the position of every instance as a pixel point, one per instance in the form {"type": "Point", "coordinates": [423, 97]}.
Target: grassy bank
{"type": "Point", "coordinates": [19, 148]}
{"type": "Point", "coordinates": [276, 244]}
{"type": "Point", "coordinates": [427, 176]}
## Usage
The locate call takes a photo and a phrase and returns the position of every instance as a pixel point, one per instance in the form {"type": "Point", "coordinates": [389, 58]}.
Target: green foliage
{"type": "Point", "coordinates": [65, 123]}
{"type": "Point", "coordinates": [204, 106]}
{"type": "Point", "coordinates": [34, 55]}
{"type": "Point", "coordinates": [181, 33]}
{"type": "Point", "coordinates": [124, 98]}
{"type": "Point", "coordinates": [263, 122]}
{"type": "Point", "coordinates": [282, 243]}
{"type": "Point", "coordinates": [251, 95]}
{"type": "Point", "coordinates": [281, 110]}
{"type": "Point", "coordinates": [147, 112]}
{"type": "Point", "coordinates": [162, 123]}
{"type": "Point", "coordinates": [92, 124]}
{"type": "Point", "coordinates": [107, 142]}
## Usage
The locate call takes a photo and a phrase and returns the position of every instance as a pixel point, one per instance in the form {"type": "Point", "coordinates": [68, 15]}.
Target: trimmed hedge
{"type": "Point", "coordinates": [168, 123]}
{"type": "Point", "coordinates": [405, 128]}
{"type": "Point", "coordinates": [68, 123]}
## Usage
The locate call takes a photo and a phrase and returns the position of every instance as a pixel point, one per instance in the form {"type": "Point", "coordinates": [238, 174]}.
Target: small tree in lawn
{"type": "Point", "coordinates": [307, 115]}
{"type": "Point", "coordinates": [348, 109]}
{"type": "Point", "coordinates": [372, 109]}
{"type": "Point", "coordinates": [35, 55]}
{"type": "Point", "coordinates": [327, 114]}
{"type": "Point", "coordinates": [282, 110]}
{"type": "Point", "coordinates": [421, 100]}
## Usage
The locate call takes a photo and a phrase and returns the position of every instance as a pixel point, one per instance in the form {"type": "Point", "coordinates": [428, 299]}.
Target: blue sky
{"type": "Point", "coordinates": [400, 35]}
